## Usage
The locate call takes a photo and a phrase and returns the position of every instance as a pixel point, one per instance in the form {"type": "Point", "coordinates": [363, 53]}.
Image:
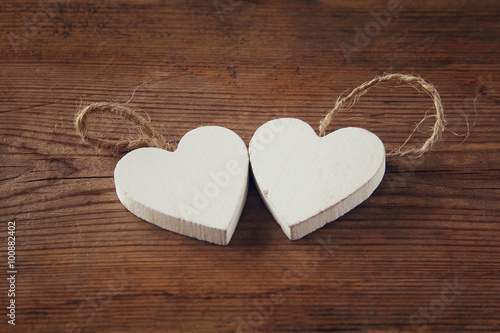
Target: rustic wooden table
{"type": "Point", "coordinates": [421, 254]}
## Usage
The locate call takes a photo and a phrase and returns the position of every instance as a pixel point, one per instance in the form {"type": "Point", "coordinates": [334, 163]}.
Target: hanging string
{"type": "Point", "coordinates": [348, 102]}
{"type": "Point", "coordinates": [147, 137]}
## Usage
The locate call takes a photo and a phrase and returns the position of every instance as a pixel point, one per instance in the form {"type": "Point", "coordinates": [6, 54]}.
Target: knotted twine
{"type": "Point", "coordinates": [150, 138]}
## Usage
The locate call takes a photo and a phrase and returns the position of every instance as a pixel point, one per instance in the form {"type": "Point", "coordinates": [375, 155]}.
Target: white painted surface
{"type": "Point", "coordinates": [307, 181]}
{"type": "Point", "coordinates": [198, 191]}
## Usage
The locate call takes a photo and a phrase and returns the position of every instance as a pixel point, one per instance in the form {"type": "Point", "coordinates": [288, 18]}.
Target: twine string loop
{"type": "Point", "coordinates": [148, 136]}
{"type": "Point", "coordinates": [438, 128]}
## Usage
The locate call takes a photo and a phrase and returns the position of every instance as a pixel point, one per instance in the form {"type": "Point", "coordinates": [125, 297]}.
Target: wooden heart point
{"type": "Point", "coordinates": [199, 190]}
{"type": "Point", "coordinates": [308, 181]}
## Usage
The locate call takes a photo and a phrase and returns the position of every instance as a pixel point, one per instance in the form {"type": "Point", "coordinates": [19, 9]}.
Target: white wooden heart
{"type": "Point", "coordinates": [308, 181]}
{"type": "Point", "coordinates": [199, 190]}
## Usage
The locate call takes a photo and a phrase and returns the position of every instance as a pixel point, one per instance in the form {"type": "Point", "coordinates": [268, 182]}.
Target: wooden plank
{"type": "Point", "coordinates": [421, 254]}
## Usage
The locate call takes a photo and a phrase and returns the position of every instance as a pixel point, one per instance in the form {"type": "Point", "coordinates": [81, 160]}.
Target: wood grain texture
{"type": "Point", "coordinates": [421, 254]}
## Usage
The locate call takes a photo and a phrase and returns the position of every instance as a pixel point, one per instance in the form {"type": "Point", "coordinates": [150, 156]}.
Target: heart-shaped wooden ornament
{"type": "Point", "coordinates": [307, 181]}
{"type": "Point", "coordinates": [198, 190]}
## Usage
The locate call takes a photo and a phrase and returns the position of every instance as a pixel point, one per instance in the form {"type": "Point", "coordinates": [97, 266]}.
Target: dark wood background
{"type": "Point", "coordinates": [421, 254]}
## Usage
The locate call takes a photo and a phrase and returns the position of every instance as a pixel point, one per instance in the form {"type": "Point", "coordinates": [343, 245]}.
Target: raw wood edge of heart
{"type": "Point", "coordinates": [182, 226]}
{"type": "Point", "coordinates": [303, 228]}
